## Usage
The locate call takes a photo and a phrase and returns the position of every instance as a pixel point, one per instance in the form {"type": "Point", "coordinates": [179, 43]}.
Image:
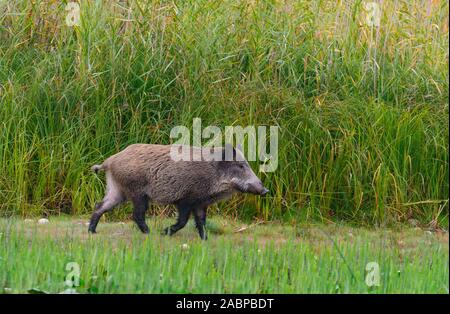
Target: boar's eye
{"type": "Point", "coordinates": [241, 166]}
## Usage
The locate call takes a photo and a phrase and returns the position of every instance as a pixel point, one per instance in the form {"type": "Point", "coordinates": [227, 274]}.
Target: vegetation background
{"type": "Point", "coordinates": [362, 110]}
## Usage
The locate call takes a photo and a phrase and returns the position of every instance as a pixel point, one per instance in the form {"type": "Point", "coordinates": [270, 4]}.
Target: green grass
{"type": "Point", "coordinates": [363, 110]}
{"type": "Point", "coordinates": [270, 258]}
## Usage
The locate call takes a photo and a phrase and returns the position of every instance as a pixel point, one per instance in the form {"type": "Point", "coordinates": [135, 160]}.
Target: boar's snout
{"type": "Point", "coordinates": [257, 188]}
{"type": "Point", "coordinates": [245, 180]}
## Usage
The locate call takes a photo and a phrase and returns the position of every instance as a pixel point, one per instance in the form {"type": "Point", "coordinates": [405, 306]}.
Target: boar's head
{"type": "Point", "coordinates": [236, 170]}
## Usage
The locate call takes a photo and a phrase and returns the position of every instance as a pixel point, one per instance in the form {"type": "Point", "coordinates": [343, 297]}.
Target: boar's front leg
{"type": "Point", "coordinates": [140, 204]}
{"type": "Point", "coordinates": [200, 220]}
{"type": "Point", "coordinates": [184, 212]}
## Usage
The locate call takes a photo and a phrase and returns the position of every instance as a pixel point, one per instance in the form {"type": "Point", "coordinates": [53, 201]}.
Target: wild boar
{"type": "Point", "coordinates": [144, 173]}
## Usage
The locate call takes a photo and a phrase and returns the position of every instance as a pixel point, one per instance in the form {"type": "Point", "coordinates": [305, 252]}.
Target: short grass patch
{"type": "Point", "coordinates": [237, 258]}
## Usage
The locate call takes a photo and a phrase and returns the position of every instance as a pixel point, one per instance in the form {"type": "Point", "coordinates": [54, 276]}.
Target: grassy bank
{"type": "Point", "coordinates": [363, 110]}
{"type": "Point", "coordinates": [268, 258]}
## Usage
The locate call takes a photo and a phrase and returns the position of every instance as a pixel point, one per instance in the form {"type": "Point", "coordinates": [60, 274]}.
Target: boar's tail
{"type": "Point", "coordinates": [97, 168]}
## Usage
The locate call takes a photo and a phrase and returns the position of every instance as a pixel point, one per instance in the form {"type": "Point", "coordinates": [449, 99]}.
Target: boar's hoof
{"type": "Point", "coordinates": [167, 231]}
{"type": "Point", "coordinates": [144, 228]}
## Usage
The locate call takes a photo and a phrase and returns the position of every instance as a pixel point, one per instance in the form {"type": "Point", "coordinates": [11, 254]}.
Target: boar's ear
{"type": "Point", "coordinates": [228, 153]}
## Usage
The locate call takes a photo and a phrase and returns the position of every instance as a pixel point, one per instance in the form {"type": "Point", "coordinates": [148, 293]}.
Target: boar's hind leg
{"type": "Point", "coordinates": [113, 197]}
{"type": "Point", "coordinates": [140, 205]}
{"type": "Point", "coordinates": [200, 220]}
{"type": "Point", "coordinates": [183, 217]}
{"type": "Point", "coordinates": [108, 203]}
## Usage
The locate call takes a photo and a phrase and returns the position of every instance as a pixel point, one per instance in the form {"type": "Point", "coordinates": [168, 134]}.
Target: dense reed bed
{"type": "Point", "coordinates": [362, 109]}
{"type": "Point", "coordinates": [263, 259]}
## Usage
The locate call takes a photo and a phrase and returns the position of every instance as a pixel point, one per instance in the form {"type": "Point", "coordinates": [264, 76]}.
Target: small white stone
{"type": "Point", "coordinates": [184, 246]}
{"type": "Point", "coordinates": [28, 220]}
{"type": "Point", "coordinates": [7, 290]}
{"type": "Point", "coordinates": [43, 221]}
